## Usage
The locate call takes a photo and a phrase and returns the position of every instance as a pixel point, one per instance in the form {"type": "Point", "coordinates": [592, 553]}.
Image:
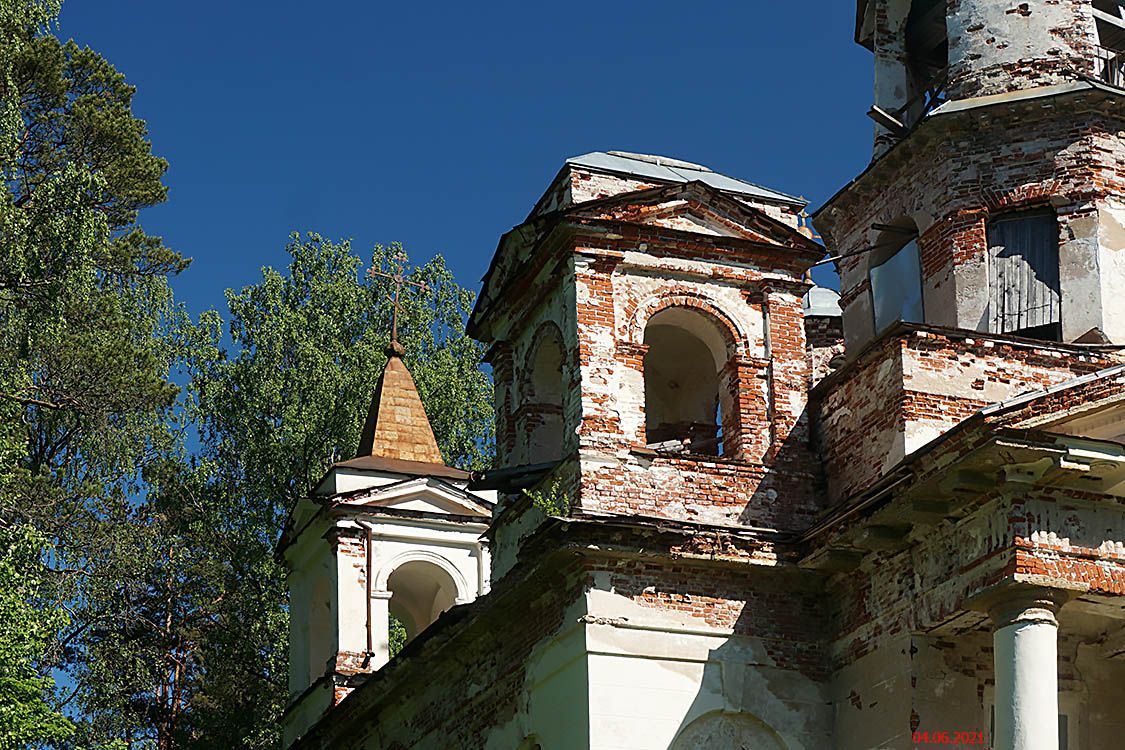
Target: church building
{"type": "Point", "coordinates": [731, 509]}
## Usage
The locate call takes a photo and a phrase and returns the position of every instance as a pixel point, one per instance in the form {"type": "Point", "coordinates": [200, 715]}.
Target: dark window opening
{"type": "Point", "coordinates": [895, 273]}
{"type": "Point", "coordinates": [1023, 276]}
{"type": "Point", "coordinates": [927, 57]}
{"type": "Point", "coordinates": [1109, 18]}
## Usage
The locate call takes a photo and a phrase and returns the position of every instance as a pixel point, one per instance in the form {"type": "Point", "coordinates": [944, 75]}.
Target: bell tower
{"type": "Point", "coordinates": [381, 548]}
{"type": "Point", "coordinates": [993, 201]}
{"type": "Point", "coordinates": [648, 348]}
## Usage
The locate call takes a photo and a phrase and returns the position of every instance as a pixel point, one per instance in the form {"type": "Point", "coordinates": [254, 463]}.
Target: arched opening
{"type": "Point", "coordinates": [727, 729]}
{"type": "Point", "coordinates": [543, 410]}
{"type": "Point", "coordinates": [895, 273]}
{"type": "Point", "coordinates": [420, 592]}
{"type": "Point", "coordinates": [686, 351]}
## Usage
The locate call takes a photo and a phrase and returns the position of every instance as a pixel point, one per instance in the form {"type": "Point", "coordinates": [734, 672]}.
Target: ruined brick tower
{"type": "Point", "coordinates": [650, 310]}
{"type": "Point", "coordinates": [728, 516]}
{"type": "Point", "coordinates": [997, 121]}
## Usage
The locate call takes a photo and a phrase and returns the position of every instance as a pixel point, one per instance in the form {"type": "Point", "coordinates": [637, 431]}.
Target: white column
{"type": "Point", "coordinates": [1025, 654]}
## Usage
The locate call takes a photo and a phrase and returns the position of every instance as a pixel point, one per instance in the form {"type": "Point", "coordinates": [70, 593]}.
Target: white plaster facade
{"type": "Point", "coordinates": [369, 544]}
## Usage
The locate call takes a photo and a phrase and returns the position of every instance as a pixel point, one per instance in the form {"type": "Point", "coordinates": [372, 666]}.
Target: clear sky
{"type": "Point", "coordinates": [438, 124]}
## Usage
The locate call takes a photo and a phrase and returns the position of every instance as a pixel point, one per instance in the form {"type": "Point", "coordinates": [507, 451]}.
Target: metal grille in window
{"type": "Point", "coordinates": [1109, 53]}
{"type": "Point", "coordinates": [1023, 255]}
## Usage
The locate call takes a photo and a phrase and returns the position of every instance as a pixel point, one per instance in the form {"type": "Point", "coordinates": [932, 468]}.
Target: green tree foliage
{"type": "Point", "coordinates": [310, 347]}
{"type": "Point", "coordinates": [29, 621]}
{"type": "Point", "coordinates": [290, 396]}
{"type": "Point", "coordinates": [86, 333]}
{"type": "Point", "coordinates": [176, 634]}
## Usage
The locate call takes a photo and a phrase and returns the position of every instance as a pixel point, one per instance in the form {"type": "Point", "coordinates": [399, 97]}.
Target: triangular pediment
{"type": "Point", "coordinates": [423, 496]}
{"type": "Point", "coordinates": [699, 209]}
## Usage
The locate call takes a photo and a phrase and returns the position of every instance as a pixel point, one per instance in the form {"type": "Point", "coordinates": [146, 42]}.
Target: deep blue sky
{"type": "Point", "coordinates": [439, 124]}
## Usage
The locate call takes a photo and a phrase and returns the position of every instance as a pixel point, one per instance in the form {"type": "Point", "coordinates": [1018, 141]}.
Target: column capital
{"type": "Point", "coordinates": [1025, 599]}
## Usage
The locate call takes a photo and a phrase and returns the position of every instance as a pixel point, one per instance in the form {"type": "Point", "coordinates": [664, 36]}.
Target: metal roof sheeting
{"type": "Point", "coordinates": [664, 169]}
{"type": "Point", "coordinates": [822, 301]}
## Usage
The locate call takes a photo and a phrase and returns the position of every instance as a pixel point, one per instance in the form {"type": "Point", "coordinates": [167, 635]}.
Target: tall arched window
{"type": "Point", "coordinates": [543, 408]}
{"type": "Point", "coordinates": [683, 409]}
{"type": "Point", "coordinates": [420, 592]}
{"type": "Point", "coordinates": [895, 273]}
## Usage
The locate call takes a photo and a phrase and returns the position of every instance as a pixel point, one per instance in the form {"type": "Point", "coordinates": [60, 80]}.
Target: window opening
{"type": "Point", "coordinates": [1109, 19]}
{"type": "Point", "coordinates": [683, 410]}
{"type": "Point", "coordinates": [1023, 271]}
{"type": "Point", "coordinates": [895, 275]}
{"type": "Point", "coordinates": [927, 56]}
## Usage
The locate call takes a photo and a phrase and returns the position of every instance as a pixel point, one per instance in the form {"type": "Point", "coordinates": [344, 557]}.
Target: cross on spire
{"type": "Point", "coordinates": [398, 277]}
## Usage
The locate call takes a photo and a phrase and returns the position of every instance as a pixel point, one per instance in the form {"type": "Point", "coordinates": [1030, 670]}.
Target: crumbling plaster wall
{"type": "Point", "coordinates": [825, 337]}
{"type": "Point", "coordinates": [994, 47]}
{"type": "Point", "coordinates": [997, 47]}
{"type": "Point", "coordinates": [616, 652]}
{"type": "Point", "coordinates": [489, 682]}
{"type": "Point", "coordinates": [911, 654]}
{"type": "Point", "coordinates": [910, 388]}
{"type": "Point", "coordinates": [766, 380]}
{"type": "Point", "coordinates": [579, 185]}
{"type": "Point", "coordinates": [951, 175]}
{"type": "Point", "coordinates": [545, 307]}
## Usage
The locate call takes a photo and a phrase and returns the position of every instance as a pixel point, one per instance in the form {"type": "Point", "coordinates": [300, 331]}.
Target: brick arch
{"type": "Point", "coordinates": [639, 317]}
{"type": "Point", "coordinates": [1030, 195]}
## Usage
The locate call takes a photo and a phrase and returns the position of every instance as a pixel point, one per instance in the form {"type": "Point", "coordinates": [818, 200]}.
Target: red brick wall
{"type": "Point", "coordinates": [909, 387]}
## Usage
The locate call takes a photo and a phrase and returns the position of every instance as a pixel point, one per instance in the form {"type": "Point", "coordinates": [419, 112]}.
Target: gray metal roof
{"type": "Point", "coordinates": [665, 169]}
{"type": "Point", "coordinates": [821, 300]}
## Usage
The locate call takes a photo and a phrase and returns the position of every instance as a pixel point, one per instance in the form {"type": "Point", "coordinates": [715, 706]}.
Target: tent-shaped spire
{"type": "Point", "coordinates": [397, 426]}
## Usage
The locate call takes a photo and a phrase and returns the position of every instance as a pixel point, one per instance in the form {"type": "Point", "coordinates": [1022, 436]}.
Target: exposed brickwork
{"type": "Point", "coordinates": [439, 708]}
{"type": "Point", "coordinates": [908, 388]}
{"type": "Point", "coordinates": [788, 614]}
{"type": "Point", "coordinates": [957, 171]}
{"type": "Point", "coordinates": [825, 337]}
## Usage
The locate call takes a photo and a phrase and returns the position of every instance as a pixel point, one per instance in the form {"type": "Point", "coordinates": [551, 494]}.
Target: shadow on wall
{"type": "Point", "coordinates": [764, 687]}
{"type": "Point", "coordinates": [793, 478]}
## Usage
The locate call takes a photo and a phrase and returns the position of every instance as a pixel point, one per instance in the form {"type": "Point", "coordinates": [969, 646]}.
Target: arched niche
{"type": "Point", "coordinates": [684, 403]}
{"type": "Point", "coordinates": [723, 729]}
{"type": "Point", "coordinates": [543, 400]}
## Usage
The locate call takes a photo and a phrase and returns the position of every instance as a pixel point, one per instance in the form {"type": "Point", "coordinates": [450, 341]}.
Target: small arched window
{"type": "Point", "coordinates": [683, 409]}
{"type": "Point", "coordinates": [544, 401]}
{"type": "Point", "coordinates": [420, 592]}
{"type": "Point", "coordinates": [895, 273]}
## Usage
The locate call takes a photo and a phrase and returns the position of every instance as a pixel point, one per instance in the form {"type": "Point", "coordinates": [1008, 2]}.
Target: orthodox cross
{"type": "Point", "coordinates": [398, 278]}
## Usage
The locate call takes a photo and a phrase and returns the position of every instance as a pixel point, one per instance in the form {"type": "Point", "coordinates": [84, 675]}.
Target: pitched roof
{"type": "Point", "coordinates": [397, 427]}
{"type": "Point", "coordinates": [668, 170]}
